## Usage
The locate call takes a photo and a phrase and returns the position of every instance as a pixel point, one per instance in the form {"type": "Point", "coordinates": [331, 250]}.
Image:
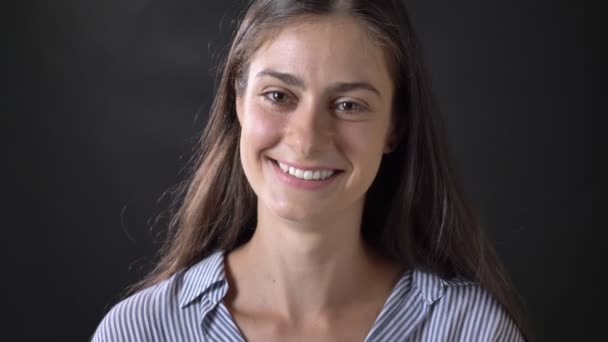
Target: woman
{"type": "Point", "coordinates": [323, 206]}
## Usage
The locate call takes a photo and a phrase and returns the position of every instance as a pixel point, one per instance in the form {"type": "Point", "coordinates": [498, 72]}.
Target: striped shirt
{"type": "Point", "coordinates": [421, 307]}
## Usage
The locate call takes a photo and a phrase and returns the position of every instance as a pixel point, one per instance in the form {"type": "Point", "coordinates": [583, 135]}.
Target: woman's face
{"type": "Point", "coordinates": [315, 119]}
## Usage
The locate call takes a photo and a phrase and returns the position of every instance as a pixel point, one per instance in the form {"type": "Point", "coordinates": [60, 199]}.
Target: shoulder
{"type": "Point", "coordinates": [164, 311]}
{"type": "Point", "coordinates": [460, 309]}
{"type": "Point", "coordinates": [140, 316]}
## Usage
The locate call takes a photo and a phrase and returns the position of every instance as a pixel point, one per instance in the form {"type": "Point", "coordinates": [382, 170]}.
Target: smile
{"type": "Point", "coordinates": [304, 177]}
{"type": "Point", "coordinates": [306, 174]}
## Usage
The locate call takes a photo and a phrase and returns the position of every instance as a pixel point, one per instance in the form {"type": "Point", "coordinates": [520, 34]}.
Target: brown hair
{"type": "Point", "coordinates": [415, 211]}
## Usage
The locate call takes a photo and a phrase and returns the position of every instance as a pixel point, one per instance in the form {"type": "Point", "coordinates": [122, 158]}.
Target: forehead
{"type": "Point", "coordinates": [321, 48]}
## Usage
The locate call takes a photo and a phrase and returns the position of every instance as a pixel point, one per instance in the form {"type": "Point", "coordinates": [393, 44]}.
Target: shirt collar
{"type": "Point", "coordinates": [430, 286]}
{"type": "Point", "coordinates": [206, 277]}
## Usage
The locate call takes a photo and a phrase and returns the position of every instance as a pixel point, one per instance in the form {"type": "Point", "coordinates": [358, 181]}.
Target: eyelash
{"type": "Point", "coordinates": [268, 96]}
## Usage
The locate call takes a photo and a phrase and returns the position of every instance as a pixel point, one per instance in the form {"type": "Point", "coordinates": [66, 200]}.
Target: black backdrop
{"type": "Point", "coordinates": [115, 93]}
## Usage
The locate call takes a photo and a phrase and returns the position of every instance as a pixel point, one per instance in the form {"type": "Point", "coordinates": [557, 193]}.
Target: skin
{"type": "Point", "coordinates": [306, 274]}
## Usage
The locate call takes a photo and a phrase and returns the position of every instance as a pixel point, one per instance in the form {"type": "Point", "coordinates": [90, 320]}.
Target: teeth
{"type": "Point", "coordinates": [306, 174]}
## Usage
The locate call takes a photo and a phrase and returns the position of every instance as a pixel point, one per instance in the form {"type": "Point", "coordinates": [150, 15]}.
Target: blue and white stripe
{"type": "Point", "coordinates": [421, 307]}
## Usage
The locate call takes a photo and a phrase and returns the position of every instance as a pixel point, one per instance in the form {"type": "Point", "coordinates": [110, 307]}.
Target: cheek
{"type": "Point", "coordinates": [362, 143]}
{"type": "Point", "coordinates": [260, 129]}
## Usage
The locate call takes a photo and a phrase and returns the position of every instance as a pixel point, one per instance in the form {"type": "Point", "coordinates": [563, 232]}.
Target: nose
{"type": "Point", "coordinates": [309, 130]}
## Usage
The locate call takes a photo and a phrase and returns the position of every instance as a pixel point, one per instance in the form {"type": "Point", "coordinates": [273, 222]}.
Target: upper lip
{"type": "Point", "coordinates": [306, 167]}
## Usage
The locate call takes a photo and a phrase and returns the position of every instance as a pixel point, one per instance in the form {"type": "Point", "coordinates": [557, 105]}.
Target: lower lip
{"type": "Point", "coordinates": [302, 183]}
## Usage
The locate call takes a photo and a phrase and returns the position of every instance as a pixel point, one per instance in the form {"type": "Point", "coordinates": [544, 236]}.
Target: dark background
{"type": "Point", "coordinates": [115, 92]}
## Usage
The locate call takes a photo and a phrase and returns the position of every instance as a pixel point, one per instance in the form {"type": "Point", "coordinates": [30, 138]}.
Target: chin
{"type": "Point", "coordinates": [298, 213]}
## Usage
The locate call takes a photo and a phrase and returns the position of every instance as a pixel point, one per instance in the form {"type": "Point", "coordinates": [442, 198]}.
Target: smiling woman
{"type": "Point", "coordinates": [315, 98]}
{"type": "Point", "coordinates": [323, 206]}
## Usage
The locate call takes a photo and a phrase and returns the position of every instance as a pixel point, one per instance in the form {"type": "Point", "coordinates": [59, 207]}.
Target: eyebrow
{"type": "Point", "coordinates": [286, 78]}
{"type": "Point", "coordinates": [296, 81]}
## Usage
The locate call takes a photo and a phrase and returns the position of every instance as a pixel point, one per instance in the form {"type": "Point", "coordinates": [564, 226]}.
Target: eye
{"type": "Point", "coordinates": [349, 106]}
{"type": "Point", "coordinates": [276, 96]}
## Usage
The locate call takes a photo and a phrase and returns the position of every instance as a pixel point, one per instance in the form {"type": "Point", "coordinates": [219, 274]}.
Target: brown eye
{"type": "Point", "coordinates": [349, 106]}
{"type": "Point", "coordinates": [277, 96]}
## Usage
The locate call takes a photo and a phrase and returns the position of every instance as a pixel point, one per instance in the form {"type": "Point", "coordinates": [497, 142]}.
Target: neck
{"type": "Point", "coordinates": [307, 270]}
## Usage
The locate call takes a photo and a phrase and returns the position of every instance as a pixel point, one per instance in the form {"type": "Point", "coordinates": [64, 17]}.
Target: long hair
{"type": "Point", "coordinates": [415, 211]}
